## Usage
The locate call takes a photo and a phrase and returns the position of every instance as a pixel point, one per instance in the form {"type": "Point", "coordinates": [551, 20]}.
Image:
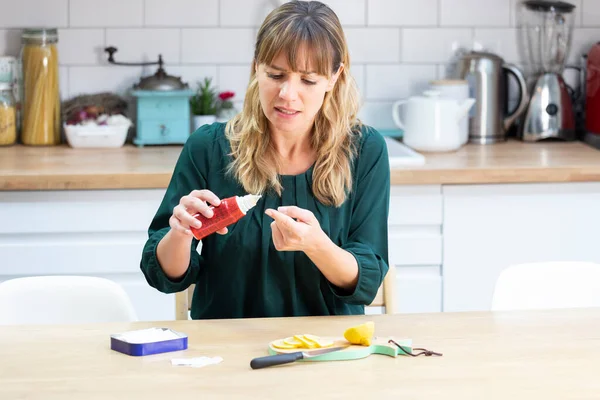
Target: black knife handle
{"type": "Point", "coordinates": [278, 359]}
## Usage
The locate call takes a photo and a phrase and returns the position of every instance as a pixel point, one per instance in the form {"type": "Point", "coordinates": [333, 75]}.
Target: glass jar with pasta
{"type": "Point", "coordinates": [8, 123]}
{"type": "Point", "coordinates": [40, 99]}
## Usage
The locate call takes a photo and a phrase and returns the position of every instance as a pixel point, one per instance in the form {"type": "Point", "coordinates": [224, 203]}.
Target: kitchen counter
{"type": "Point", "coordinates": [129, 167]}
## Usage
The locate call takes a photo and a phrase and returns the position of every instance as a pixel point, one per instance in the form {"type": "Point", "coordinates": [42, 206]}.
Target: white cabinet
{"type": "Point", "coordinates": [88, 232]}
{"type": "Point", "coordinates": [447, 244]}
{"type": "Point", "coordinates": [102, 232]}
{"type": "Point", "coordinates": [415, 247]}
{"type": "Point", "coordinates": [489, 227]}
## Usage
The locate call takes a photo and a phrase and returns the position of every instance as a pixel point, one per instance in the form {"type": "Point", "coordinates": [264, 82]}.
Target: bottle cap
{"type": "Point", "coordinates": [247, 202]}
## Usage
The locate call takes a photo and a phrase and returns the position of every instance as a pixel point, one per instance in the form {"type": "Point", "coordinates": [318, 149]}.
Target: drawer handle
{"type": "Point", "coordinates": [163, 130]}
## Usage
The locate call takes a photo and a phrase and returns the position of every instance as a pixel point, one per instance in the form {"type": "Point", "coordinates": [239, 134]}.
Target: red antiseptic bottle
{"type": "Point", "coordinates": [231, 210]}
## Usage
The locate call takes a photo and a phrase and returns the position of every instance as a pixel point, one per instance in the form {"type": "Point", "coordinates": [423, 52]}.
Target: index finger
{"type": "Point", "coordinates": [281, 219]}
{"type": "Point", "coordinates": [206, 195]}
{"type": "Point", "coordinates": [297, 212]}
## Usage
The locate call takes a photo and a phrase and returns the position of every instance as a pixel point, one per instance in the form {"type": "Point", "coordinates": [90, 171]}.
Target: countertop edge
{"type": "Point", "coordinates": [85, 181]}
{"type": "Point", "coordinates": [494, 175]}
{"type": "Point", "coordinates": [399, 176]}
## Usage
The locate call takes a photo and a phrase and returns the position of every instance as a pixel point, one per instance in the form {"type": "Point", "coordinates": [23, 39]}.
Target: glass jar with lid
{"type": "Point", "coordinates": [8, 119]}
{"type": "Point", "coordinates": [40, 96]}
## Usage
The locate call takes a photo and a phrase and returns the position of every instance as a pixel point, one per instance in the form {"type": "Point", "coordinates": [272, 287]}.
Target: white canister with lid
{"type": "Point", "coordinates": [431, 122]}
{"type": "Point", "coordinates": [458, 90]}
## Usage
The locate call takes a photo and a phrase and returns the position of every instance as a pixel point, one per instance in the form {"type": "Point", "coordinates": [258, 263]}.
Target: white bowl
{"type": "Point", "coordinates": [96, 135]}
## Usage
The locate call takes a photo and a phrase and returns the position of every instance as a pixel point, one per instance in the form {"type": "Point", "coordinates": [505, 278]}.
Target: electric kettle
{"type": "Point", "coordinates": [431, 122]}
{"type": "Point", "coordinates": [487, 76]}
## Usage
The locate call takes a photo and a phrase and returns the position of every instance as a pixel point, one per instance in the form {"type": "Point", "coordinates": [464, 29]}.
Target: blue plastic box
{"type": "Point", "coordinates": [176, 341]}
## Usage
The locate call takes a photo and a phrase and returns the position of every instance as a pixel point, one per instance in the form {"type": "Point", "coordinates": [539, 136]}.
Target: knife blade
{"type": "Point", "coordinates": [285, 358]}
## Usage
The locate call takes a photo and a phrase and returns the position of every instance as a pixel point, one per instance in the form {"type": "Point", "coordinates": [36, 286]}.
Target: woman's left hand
{"type": "Point", "coordinates": [295, 229]}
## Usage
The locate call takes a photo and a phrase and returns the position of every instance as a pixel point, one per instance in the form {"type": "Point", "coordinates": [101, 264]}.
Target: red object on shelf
{"type": "Point", "coordinates": [592, 91]}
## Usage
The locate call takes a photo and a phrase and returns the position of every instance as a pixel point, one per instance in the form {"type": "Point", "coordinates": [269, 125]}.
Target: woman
{"type": "Point", "coordinates": [316, 242]}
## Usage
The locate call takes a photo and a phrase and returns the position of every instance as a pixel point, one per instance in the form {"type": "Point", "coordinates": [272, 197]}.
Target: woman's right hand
{"type": "Point", "coordinates": [193, 203]}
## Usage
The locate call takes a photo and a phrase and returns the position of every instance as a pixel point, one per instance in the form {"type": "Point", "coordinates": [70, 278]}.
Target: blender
{"type": "Point", "coordinates": [546, 30]}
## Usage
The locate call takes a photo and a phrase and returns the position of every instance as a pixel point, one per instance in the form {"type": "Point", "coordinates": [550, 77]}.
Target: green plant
{"type": "Point", "coordinates": [204, 101]}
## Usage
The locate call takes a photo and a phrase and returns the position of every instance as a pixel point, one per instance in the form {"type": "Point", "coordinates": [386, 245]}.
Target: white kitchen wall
{"type": "Point", "coordinates": [396, 46]}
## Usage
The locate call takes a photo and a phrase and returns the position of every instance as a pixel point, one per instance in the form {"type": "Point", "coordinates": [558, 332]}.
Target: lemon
{"type": "Point", "coordinates": [307, 344]}
{"type": "Point", "coordinates": [360, 334]}
{"type": "Point", "coordinates": [281, 345]}
{"type": "Point", "coordinates": [305, 341]}
{"type": "Point", "coordinates": [292, 341]}
{"type": "Point", "coordinates": [318, 341]}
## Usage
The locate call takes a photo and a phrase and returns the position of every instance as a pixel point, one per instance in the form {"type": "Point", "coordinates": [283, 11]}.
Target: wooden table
{"type": "Point", "coordinates": [129, 167]}
{"type": "Point", "coordinates": [518, 355]}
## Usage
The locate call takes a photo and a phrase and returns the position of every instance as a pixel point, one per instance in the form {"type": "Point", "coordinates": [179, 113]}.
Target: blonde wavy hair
{"type": "Point", "coordinates": [286, 29]}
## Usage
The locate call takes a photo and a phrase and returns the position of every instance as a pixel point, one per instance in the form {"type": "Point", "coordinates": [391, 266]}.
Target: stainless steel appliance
{"type": "Point", "coordinates": [490, 119]}
{"type": "Point", "coordinates": [547, 27]}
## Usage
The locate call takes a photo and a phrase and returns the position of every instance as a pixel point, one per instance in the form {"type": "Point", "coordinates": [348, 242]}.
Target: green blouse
{"type": "Point", "coordinates": [241, 274]}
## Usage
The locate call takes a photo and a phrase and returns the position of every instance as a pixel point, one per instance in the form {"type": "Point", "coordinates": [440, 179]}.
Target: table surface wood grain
{"type": "Point", "coordinates": [549, 354]}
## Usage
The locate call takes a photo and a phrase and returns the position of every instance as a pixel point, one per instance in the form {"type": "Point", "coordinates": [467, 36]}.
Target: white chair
{"type": "Point", "coordinates": [548, 285]}
{"type": "Point", "coordinates": [63, 300]}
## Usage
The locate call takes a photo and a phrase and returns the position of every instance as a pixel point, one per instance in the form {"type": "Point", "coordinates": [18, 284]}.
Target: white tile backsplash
{"type": "Point", "coordinates": [106, 13]}
{"type": "Point", "coordinates": [234, 78]}
{"type": "Point", "coordinates": [80, 46]}
{"type": "Point", "coordinates": [349, 12]}
{"type": "Point", "coordinates": [394, 82]}
{"type": "Point", "coordinates": [181, 13]}
{"type": "Point", "coordinates": [474, 12]}
{"type": "Point", "coordinates": [10, 42]}
{"type": "Point", "coordinates": [63, 79]}
{"type": "Point", "coordinates": [225, 45]}
{"type": "Point", "coordinates": [583, 39]}
{"type": "Point", "coordinates": [515, 12]}
{"type": "Point", "coordinates": [442, 71]}
{"type": "Point", "coordinates": [192, 74]}
{"type": "Point", "coordinates": [500, 41]}
{"type": "Point", "coordinates": [396, 46]}
{"type": "Point", "coordinates": [87, 80]}
{"type": "Point", "coordinates": [142, 45]}
{"type": "Point", "coordinates": [590, 12]}
{"type": "Point", "coordinates": [248, 13]}
{"type": "Point", "coordinates": [373, 45]}
{"type": "Point", "coordinates": [359, 74]}
{"type": "Point", "coordinates": [378, 114]}
{"type": "Point", "coordinates": [403, 12]}
{"type": "Point", "coordinates": [26, 13]}
{"type": "Point", "coordinates": [433, 45]}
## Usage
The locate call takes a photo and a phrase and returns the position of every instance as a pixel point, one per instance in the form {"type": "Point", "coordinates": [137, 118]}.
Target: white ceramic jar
{"type": "Point", "coordinates": [431, 122]}
{"type": "Point", "coordinates": [457, 89]}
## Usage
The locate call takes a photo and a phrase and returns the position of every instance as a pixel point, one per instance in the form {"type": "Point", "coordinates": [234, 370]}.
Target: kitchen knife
{"type": "Point", "coordinates": [285, 358]}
